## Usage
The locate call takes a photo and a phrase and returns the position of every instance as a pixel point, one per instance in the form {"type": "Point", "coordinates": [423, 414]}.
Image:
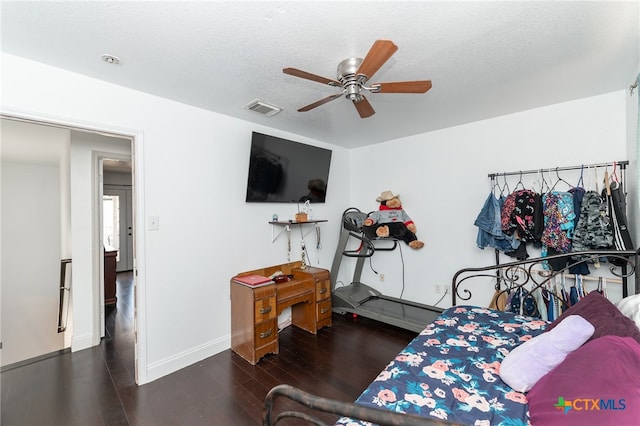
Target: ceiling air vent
{"type": "Point", "coordinates": [262, 108]}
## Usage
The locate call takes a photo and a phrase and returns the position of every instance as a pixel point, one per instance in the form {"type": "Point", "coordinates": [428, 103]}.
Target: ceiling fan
{"type": "Point", "coordinates": [353, 73]}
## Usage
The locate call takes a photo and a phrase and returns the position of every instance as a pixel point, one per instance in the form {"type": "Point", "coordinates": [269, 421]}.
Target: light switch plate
{"type": "Point", "coordinates": [153, 223]}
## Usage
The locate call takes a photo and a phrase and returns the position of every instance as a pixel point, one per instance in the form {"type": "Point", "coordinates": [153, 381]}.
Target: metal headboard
{"type": "Point", "coordinates": [527, 274]}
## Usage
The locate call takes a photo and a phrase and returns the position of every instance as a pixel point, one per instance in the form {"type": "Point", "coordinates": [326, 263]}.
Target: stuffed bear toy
{"type": "Point", "coordinates": [392, 221]}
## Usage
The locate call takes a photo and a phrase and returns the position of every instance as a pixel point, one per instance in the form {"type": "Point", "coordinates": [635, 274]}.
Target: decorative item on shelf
{"type": "Point", "coordinates": [302, 215]}
{"type": "Point", "coordinates": [308, 210]}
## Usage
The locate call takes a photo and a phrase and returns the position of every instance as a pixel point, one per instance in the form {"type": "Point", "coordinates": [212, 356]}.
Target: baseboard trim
{"type": "Point", "coordinates": [184, 359]}
{"type": "Point", "coordinates": [33, 360]}
{"type": "Point", "coordinates": [79, 343]}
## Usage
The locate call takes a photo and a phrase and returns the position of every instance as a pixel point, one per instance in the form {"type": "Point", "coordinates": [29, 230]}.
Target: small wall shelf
{"type": "Point", "coordinates": [286, 226]}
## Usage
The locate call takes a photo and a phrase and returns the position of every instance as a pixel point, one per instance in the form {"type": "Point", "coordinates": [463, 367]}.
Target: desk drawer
{"type": "Point", "coordinates": [294, 291]}
{"type": "Point", "coordinates": [264, 291]}
{"type": "Point", "coordinates": [323, 290]}
{"type": "Point", "coordinates": [323, 309]}
{"type": "Point", "coordinates": [265, 309]}
{"type": "Point", "coordinates": [266, 332]}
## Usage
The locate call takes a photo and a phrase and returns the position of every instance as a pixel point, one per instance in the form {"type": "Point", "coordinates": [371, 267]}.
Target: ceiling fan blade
{"type": "Point", "coordinates": [420, 86]}
{"type": "Point", "coordinates": [364, 108]}
{"type": "Point", "coordinates": [320, 102]}
{"type": "Point", "coordinates": [379, 53]}
{"type": "Point", "coordinates": [303, 74]}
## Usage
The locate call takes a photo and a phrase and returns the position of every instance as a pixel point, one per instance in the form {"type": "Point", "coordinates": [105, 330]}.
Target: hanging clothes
{"type": "Point", "coordinates": [558, 216]}
{"type": "Point", "coordinates": [552, 303]}
{"type": "Point", "coordinates": [602, 286]}
{"type": "Point", "coordinates": [549, 304]}
{"type": "Point", "coordinates": [538, 220]}
{"type": "Point", "coordinates": [580, 285]}
{"type": "Point", "coordinates": [578, 195]}
{"type": "Point", "coordinates": [540, 303]}
{"type": "Point", "coordinates": [558, 227]}
{"type": "Point", "coordinates": [617, 210]}
{"type": "Point", "coordinates": [592, 231]}
{"type": "Point", "coordinates": [523, 302]}
{"type": "Point", "coordinates": [577, 220]}
{"type": "Point", "coordinates": [506, 210]}
{"type": "Point", "coordinates": [490, 232]}
{"type": "Point", "coordinates": [518, 216]}
{"type": "Point", "coordinates": [518, 219]}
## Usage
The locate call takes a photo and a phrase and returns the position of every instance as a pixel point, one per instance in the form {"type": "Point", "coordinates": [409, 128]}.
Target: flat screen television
{"type": "Point", "coordinates": [284, 171]}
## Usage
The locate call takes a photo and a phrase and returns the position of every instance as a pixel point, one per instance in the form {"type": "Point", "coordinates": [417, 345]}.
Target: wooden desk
{"type": "Point", "coordinates": [254, 311]}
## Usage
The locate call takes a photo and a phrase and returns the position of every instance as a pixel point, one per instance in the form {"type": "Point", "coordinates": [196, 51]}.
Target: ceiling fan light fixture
{"type": "Point", "coordinates": [262, 107]}
{"type": "Point", "coordinates": [347, 69]}
{"type": "Point", "coordinates": [353, 73]}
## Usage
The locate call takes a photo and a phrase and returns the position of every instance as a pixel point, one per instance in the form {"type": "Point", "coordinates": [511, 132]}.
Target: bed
{"type": "Point", "coordinates": [457, 369]}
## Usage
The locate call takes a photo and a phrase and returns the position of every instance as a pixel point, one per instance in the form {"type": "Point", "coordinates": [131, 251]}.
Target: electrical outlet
{"type": "Point", "coordinates": [381, 277]}
{"type": "Point", "coordinates": [439, 289]}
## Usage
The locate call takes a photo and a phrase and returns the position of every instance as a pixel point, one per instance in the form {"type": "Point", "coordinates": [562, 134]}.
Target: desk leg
{"type": "Point", "coordinates": [303, 315]}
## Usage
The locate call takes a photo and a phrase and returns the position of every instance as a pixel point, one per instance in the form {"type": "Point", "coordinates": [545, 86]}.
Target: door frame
{"type": "Point", "coordinates": [137, 149]}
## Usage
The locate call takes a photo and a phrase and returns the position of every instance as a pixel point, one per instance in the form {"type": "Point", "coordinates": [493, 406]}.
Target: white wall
{"type": "Point", "coordinates": [207, 232]}
{"type": "Point", "coordinates": [30, 261]}
{"type": "Point", "coordinates": [85, 250]}
{"type": "Point", "coordinates": [442, 181]}
{"type": "Point", "coordinates": [31, 241]}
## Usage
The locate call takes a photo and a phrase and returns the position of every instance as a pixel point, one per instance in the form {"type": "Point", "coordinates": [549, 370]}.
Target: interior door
{"type": "Point", "coordinates": [118, 224]}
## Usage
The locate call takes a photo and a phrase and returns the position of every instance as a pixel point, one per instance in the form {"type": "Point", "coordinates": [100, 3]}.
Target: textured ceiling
{"type": "Point", "coordinates": [485, 59]}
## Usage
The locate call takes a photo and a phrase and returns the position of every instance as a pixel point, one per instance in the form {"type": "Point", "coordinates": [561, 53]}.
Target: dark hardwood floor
{"type": "Point", "coordinates": [97, 387]}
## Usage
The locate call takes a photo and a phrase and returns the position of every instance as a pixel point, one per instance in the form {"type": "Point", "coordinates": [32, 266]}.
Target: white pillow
{"type": "Point", "coordinates": [630, 307]}
{"type": "Point", "coordinates": [529, 362]}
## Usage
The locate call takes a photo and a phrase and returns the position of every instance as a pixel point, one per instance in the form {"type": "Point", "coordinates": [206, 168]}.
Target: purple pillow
{"type": "Point", "coordinates": [603, 315]}
{"type": "Point", "coordinates": [595, 385]}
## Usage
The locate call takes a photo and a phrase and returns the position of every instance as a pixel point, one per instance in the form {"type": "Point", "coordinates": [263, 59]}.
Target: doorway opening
{"type": "Point", "coordinates": [117, 211]}
{"type": "Point", "coordinates": [84, 163]}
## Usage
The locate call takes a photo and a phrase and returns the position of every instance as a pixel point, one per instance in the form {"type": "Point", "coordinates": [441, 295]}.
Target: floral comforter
{"type": "Point", "coordinates": [450, 371]}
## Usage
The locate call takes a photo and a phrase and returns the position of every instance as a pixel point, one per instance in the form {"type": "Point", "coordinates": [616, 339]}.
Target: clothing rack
{"type": "Point", "coordinates": [621, 164]}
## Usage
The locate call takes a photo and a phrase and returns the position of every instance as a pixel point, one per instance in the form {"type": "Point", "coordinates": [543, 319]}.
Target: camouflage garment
{"type": "Point", "coordinates": [593, 230]}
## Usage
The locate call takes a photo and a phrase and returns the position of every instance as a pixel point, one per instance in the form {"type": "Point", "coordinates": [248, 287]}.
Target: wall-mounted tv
{"type": "Point", "coordinates": [284, 171]}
